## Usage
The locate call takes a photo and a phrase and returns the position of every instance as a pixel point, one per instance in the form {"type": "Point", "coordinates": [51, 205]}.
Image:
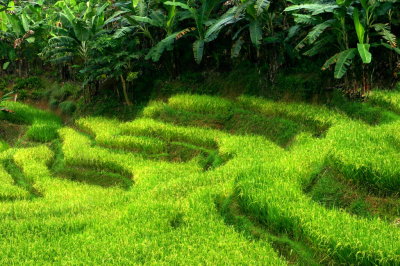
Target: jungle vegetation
{"type": "Point", "coordinates": [199, 132]}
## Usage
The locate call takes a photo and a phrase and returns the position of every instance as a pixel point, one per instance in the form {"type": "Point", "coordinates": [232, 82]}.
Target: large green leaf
{"type": "Point", "coordinates": [213, 31]}
{"type": "Point", "coordinates": [261, 6]}
{"type": "Point", "coordinates": [3, 21]}
{"type": "Point", "coordinates": [255, 33]}
{"type": "Point", "coordinates": [181, 5]}
{"type": "Point", "coordinates": [364, 4]}
{"type": "Point", "coordinates": [198, 50]}
{"type": "Point", "coordinates": [147, 20]}
{"type": "Point", "coordinates": [25, 22]}
{"type": "Point", "coordinates": [360, 30]}
{"type": "Point", "coordinates": [320, 46]}
{"type": "Point", "coordinates": [135, 3]}
{"type": "Point", "coordinates": [363, 50]}
{"type": "Point", "coordinates": [16, 25]}
{"type": "Point", "coordinates": [236, 47]}
{"type": "Point", "coordinates": [315, 9]}
{"type": "Point", "coordinates": [330, 62]}
{"type": "Point", "coordinates": [165, 44]}
{"type": "Point", "coordinates": [82, 33]}
{"type": "Point", "coordinates": [315, 33]}
{"type": "Point", "coordinates": [344, 60]}
{"type": "Point", "coordinates": [395, 49]}
{"type": "Point", "coordinates": [5, 65]}
{"type": "Point", "coordinates": [385, 32]}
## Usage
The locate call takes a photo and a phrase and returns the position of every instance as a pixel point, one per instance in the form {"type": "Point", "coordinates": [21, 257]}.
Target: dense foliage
{"type": "Point", "coordinates": [121, 41]}
{"type": "Point", "coordinates": [181, 174]}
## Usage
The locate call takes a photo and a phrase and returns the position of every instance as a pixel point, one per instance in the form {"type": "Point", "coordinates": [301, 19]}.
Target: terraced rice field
{"type": "Point", "coordinates": [205, 180]}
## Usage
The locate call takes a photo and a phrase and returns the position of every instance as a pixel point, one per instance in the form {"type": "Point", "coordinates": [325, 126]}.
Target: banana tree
{"type": "Point", "coordinates": [203, 27]}
{"type": "Point", "coordinates": [112, 63]}
{"type": "Point", "coordinates": [370, 29]}
{"type": "Point", "coordinates": [21, 29]}
{"type": "Point", "coordinates": [74, 33]}
{"type": "Point", "coordinates": [142, 18]}
{"type": "Point", "coordinates": [257, 17]}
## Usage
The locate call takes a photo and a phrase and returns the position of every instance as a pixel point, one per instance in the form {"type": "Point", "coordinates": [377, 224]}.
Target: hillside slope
{"type": "Point", "coordinates": [205, 180]}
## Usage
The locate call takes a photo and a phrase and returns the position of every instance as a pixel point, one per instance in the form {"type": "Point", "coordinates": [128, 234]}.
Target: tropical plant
{"type": "Point", "coordinates": [257, 17]}
{"type": "Point", "coordinates": [330, 29]}
{"type": "Point", "coordinates": [112, 63]}
{"type": "Point", "coordinates": [4, 5]}
{"type": "Point", "coordinates": [22, 31]}
{"type": "Point", "coordinates": [77, 27]}
{"type": "Point", "coordinates": [202, 26]}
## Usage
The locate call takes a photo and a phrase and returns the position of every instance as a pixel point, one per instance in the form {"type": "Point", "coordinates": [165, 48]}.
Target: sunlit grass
{"type": "Point", "coordinates": [149, 191]}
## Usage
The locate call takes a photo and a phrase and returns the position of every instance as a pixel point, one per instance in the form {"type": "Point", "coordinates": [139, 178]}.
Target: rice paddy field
{"type": "Point", "coordinates": [199, 179]}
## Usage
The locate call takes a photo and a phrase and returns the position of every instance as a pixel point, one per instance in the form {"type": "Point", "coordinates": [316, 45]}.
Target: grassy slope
{"type": "Point", "coordinates": [202, 179]}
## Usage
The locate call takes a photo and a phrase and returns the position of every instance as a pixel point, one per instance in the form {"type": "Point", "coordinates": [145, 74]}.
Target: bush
{"type": "Point", "coordinates": [60, 92]}
{"type": "Point", "coordinates": [31, 83]}
{"type": "Point", "coordinates": [3, 84]}
{"type": "Point", "coordinates": [53, 103]}
{"type": "Point", "coordinates": [68, 107]}
{"type": "Point", "coordinates": [22, 94]}
{"type": "Point", "coordinates": [37, 95]}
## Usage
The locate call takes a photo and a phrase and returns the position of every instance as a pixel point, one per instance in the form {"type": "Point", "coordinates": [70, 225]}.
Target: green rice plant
{"type": "Point", "coordinates": [9, 190]}
{"type": "Point", "coordinates": [96, 177]}
{"type": "Point", "coordinates": [318, 116]}
{"type": "Point", "coordinates": [27, 114]}
{"type": "Point", "coordinates": [96, 157]}
{"type": "Point", "coordinates": [386, 99]}
{"type": "Point", "coordinates": [154, 109]}
{"type": "Point", "coordinates": [272, 192]}
{"type": "Point", "coordinates": [43, 124]}
{"type": "Point", "coordinates": [366, 155]}
{"type": "Point", "coordinates": [171, 209]}
{"type": "Point", "coordinates": [364, 111]}
{"type": "Point", "coordinates": [240, 122]}
{"type": "Point", "coordinates": [108, 133]}
{"type": "Point", "coordinates": [167, 132]}
{"type": "Point", "coordinates": [43, 131]}
{"type": "Point", "coordinates": [202, 104]}
{"type": "Point", "coordinates": [34, 164]}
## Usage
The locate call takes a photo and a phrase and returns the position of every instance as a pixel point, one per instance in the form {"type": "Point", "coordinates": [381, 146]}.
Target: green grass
{"type": "Point", "coordinates": [205, 180]}
{"type": "Point", "coordinates": [43, 125]}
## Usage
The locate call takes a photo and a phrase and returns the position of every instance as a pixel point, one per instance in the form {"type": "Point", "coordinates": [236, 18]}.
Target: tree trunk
{"type": "Point", "coordinates": [124, 89]}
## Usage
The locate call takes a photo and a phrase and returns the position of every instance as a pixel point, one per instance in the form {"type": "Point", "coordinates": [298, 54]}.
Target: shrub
{"type": "Point", "coordinates": [53, 103]}
{"type": "Point", "coordinates": [68, 107]}
{"type": "Point", "coordinates": [29, 84]}
{"type": "Point", "coordinates": [22, 94]}
{"type": "Point", "coordinates": [3, 84]}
